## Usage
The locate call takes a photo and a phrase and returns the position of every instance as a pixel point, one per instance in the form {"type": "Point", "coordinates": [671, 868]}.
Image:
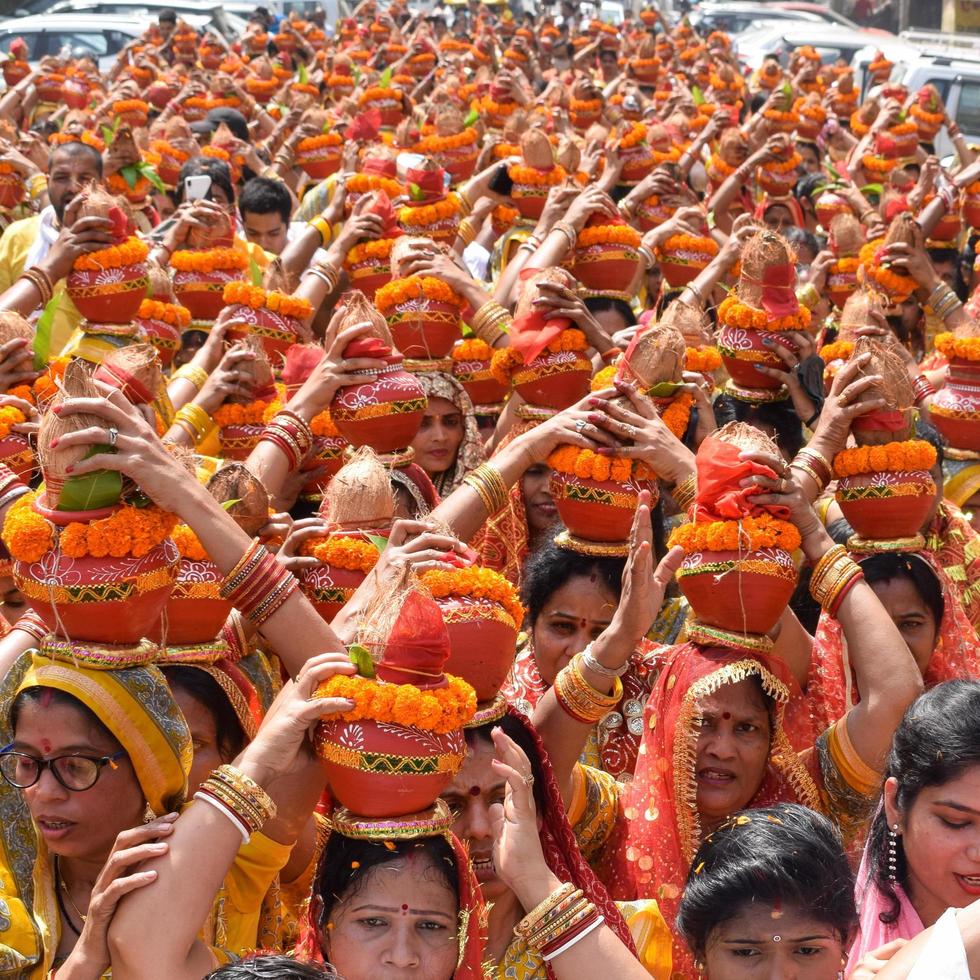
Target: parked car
{"type": "Point", "coordinates": [96, 36]}
{"type": "Point", "coordinates": [735, 17]}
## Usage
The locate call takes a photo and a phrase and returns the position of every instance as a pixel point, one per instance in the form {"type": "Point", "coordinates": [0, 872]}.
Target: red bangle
{"type": "Point", "coordinates": [610, 355]}
{"type": "Point", "coordinates": [859, 577]}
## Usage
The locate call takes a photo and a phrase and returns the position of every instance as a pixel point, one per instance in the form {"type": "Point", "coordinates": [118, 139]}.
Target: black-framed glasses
{"type": "Point", "coordinates": [74, 772]}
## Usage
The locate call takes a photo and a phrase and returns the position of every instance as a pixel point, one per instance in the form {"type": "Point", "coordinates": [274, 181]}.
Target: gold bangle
{"type": "Point", "coordinates": [490, 486]}
{"type": "Point", "coordinates": [528, 923]}
{"type": "Point", "coordinates": [193, 373]}
{"type": "Point", "coordinates": [465, 207]}
{"type": "Point", "coordinates": [685, 492]}
{"type": "Point", "coordinates": [466, 231]}
{"type": "Point", "coordinates": [805, 467]}
{"type": "Point", "coordinates": [196, 418]}
{"type": "Point", "coordinates": [323, 227]}
{"type": "Point", "coordinates": [808, 296]}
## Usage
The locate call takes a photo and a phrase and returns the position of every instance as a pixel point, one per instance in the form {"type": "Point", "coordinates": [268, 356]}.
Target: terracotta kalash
{"type": "Point", "coordinates": [955, 409]}
{"type": "Point", "coordinates": [430, 210]}
{"type": "Point", "coordinates": [196, 612]}
{"type": "Point", "coordinates": [242, 419]}
{"type": "Point", "coordinates": [161, 319]}
{"type": "Point", "coordinates": [895, 285]}
{"type": "Point", "coordinates": [762, 307]}
{"type": "Point", "coordinates": [855, 315]}
{"type": "Point", "coordinates": [454, 146]}
{"type": "Point", "coordinates": [384, 413]}
{"type": "Point", "coordinates": [15, 449]}
{"type": "Point", "coordinates": [738, 572]}
{"type": "Point", "coordinates": [606, 258]}
{"type": "Point", "coordinates": [846, 241]}
{"type": "Point", "coordinates": [368, 264]}
{"type": "Point", "coordinates": [319, 156]}
{"type": "Point", "coordinates": [535, 175]}
{"type": "Point", "coordinates": [597, 495]}
{"type": "Point", "coordinates": [91, 556]}
{"type": "Point", "coordinates": [402, 743]}
{"type": "Point", "coordinates": [546, 362]}
{"type": "Point", "coordinates": [884, 487]}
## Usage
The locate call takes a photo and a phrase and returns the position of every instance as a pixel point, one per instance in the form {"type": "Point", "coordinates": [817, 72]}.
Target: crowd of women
{"type": "Point", "coordinates": [489, 498]}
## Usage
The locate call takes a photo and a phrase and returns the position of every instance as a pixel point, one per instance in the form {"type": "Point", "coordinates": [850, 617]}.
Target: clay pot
{"type": "Point", "coordinates": [277, 331]}
{"type": "Point", "coordinates": [369, 276]}
{"type": "Point", "coordinates": [424, 328]}
{"type": "Point", "coordinates": [948, 228]}
{"type": "Point", "coordinates": [387, 770]}
{"type": "Point", "coordinates": [211, 58]}
{"type": "Point", "coordinates": [50, 88]}
{"type": "Point", "coordinates": [828, 205]}
{"type": "Point", "coordinates": [195, 611]}
{"type": "Point", "coordinates": [443, 231]}
{"type": "Point", "coordinates": [742, 349]}
{"type": "Point", "coordinates": [12, 190]}
{"type": "Point", "coordinates": [201, 292]}
{"type": "Point", "coordinates": [329, 588]}
{"type": "Point", "coordinates": [15, 71]}
{"type": "Point", "coordinates": [744, 592]}
{"type": "Point", "coordinates": [109, 295]}
{"type": "Point", "coordinates": [459, 163]}
{"type": "Point", "coordinates": [606, 267]}
{"type": "Point", "coordinates": [384, 414]}
{"type": "Point", "coordinates": [159, 93]}
{"type": "Point", "coordinates": [638, 161]}
{"type": "Point", "coordinates": [101, 600]}
{"type": "Point", "coordinates": [652, 215]}
{"type": "Point", "coordinates": [164, 337]}
{"type": "Point", "coordinates": [16, 452]}
{"type": "Point", "coordinates": [971, 207]}
{"type": "Point", "coordinates": [320, 162]}
{"type": "Point", "coordinates": [554, 379]}
{"type": "Point", "coordinates": [75, 93]}
{"type": "Point", "coordinates": [529, 199]}
{"type": "Point", "coordinates": [840, 285]}
{"type": "Point", "coordinates": [883, 506]}
{"type": "Point", "coordinates": [482, 387]}
{"type": "Point", "coordinates": [776, 183]}
{"type": "Point", "coordinates": [680, 268]}
{"type": "Point", "coordinates": [955, 409]}
{"type": "Point", "coordinates": [238, 441]}
{"type": "Point", "coordinates": [597, 510]}
{"type": "Point", "coordinates": [168, 169]}
{"type": "Point", "coordinates": [328, 451]}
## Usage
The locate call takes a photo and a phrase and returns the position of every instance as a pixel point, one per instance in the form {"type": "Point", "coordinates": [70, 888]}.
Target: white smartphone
{"type": "Point", "coordinates": [196, 188]}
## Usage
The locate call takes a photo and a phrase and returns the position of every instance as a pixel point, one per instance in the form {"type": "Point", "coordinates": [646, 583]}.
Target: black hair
{"type": "Point", "coordinates": [606, 304]}
{"type": "Point", "coordinates": [951, 254]}
{"type": "Point", "coordinates": [935, 743]}
{"type": "Point", "coordinates": [889, 565]}
{"type": "Point", "coordinates": [167, 16]}
{"type": "Point", "coordinates": [801, 238]}
{"type": "Point", "coordinates": [46, 696]}
{"type": "Point", "coordinates": [515, 729]}
{"type": "Point", "coordinates": [779, 416]}
{"type": "Point", "coordinates": [809, 185]}
{"type": "Point", "coordinates": [232, 118]}
{"type": "Point", "coordinates": [77, 148]}
{"type": "Point", "coordinates": [263, 195]}
{"type": "Point", "coordinates": [346, 863]}
{"type": "Point", "coordinates": [270, 967]}
{"type": "Point", "coordinates": [217, 170]}
{"type": "Point", "coordinates": [929, 433]}
{"type": "Point", "coordinates": [784, 856]}
{"type": "Point", "coordinates": [206, 691]}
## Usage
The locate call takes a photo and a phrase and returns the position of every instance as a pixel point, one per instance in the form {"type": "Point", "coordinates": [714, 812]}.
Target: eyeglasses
{"type": "Point", "coordinates": [74, 772]}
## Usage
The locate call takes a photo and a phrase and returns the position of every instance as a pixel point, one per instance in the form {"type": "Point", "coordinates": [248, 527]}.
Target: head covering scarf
{"type": "Point", "coordinates": [830, 689]}
{"type": "Point", "coordinates": [955, 544]}
{"type": "Point", "coordinates": [962, 480]}
{"type": "Point", "coordinates": [470, 454]}
{"type": "Point", "coordinates": [420, 488]}
{"type": "Point", "coordinates": [790, 203]}
{"type": "Point", "coordinates": [136, 706]}
{"type": "Point", "coordinates": [655, 840]}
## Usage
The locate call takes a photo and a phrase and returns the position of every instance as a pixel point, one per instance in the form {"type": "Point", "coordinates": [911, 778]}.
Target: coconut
{"type": "Point", "coordinates": [402, 248]}
{"type": "Point", "coordinates": [656, 357]}
{"type": "Point", "coordinates": [161, 286]}
{"type": "Point", "coordinates": [516, 124]}
{"type": "Point", "coordinates": [317, 118]}
{"type": "Point", "coordinates": [256, 374]}
{"type": "Point", "coordinates": [762, 250]}
{"type": "Point", "coordinates": [569, 155]}
{"type": "Point", "coordinates": [358, 310]}
{"type": "Point", "coordinates": [895, 387]}
{"type": "Point", "coordinates": [846, 235]}
{"type": "Point", "coordinates": [135, 371]}
{"type": "Point", "coordinates": [99, 203]}
{"type": "Point", "coordinates": [360, 494]}
{"type": "Point", "coordinates": [747, 438]}
{"type": "Point", "coordinates": [596, 133]}
{"type": "Point", "coordinates": [902, 229]}
{"type": "Point", "coordinates": [216, 232]}
{"type": "Point", "coordinates": [691, 322]}
{"type": "Point", "coordinates": [530, 291]}
{"type": "Point", "coordinates": [14, 327]}
{"type": "Point", "coordinates": [536, 150]}
{"type": "Point", "coordinates": [250, 509]}
{"type": "Point", "coordinates": [868, 112]}
{"type": "Point", "coordinates": [449, 121]}
{"type": "Point", "coordinates": [857, 313]}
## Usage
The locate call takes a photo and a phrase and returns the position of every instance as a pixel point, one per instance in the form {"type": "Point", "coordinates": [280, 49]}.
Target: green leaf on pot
{"type": "Point", "coordinates": [664, 389]}
{"type": "Point", "coordinates": [360, 657]}
{"type": "Point", "coordinates": [697, 95]}
{"type": "Point", "coordinates": [872, 189]}
{"type": "Point", "coordinates": [471, 117]}
{"type": "Point", "coordinates": [228, 504]}
{"type": "Point", "coordinates": [42, 333]}
{"type": "Point", "coordinates": [385, 80]}
{"type": "Point", "coordinates": [304, 75]}
{"type": "Point", "coordinates": [415, 192]}
{"type": "Point", "coordinates": [152, 176]}
{"type": "Point", "coordinates": [130, 174]}
{"type": "Point", "coordinates": [254, 272]}
{"type": "Point", "coordinates": [379, 542]}
{"type": "Point", "coordinates": [92, 491]}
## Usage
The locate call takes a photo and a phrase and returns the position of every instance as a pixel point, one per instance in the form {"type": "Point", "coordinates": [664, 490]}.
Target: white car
{"type": "Point", "coordinates": [735, 17]}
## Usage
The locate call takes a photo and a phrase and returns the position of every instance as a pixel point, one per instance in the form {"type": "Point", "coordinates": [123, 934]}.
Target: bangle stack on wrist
{"type": "Point", "coordinates": [258, 585]}
{"type": "Point", "coordinates": [239, 798]}
{"type": "Point", "coordinates": [41, 281]}
{"type": "Point", "coordinates": [944, 301]}
{"type": "Point", "coordinates": [815, 465]}
{"type": "Point", "coordinates": [194, 421]}
{"type": "Point", "coordinates": [564, 918]}
{"type": "Point", "coordinates": [568, 231]}
{"type": "Point", "coordinates": [326, 273]}
{"type": "Point", "coordinates": [489, 485]}
{"type": "Point", "coordinates": [467, 231]}
{"type": "Point", "coordinates": [490, 322]}
{"type": "Point", "coordinates": [291, 435]}
{"type": "Point", "coordinates": [323, 227]}
{"type": "Point", "coordinates": [808, 296]}
{"type": "Point", "coordinates": [530, 244]}
{"type": "Point", "coordinates": [589, 660]}
{"type": "Point", "coordinates": [922, 389]}
{"type": "Point", "coordinates": [196, 375]}
{"type": "Point", "coordinates": [579, 699]}
{"type": "Point", "coordinates": [465, 205]}
{"type": "Point", "coordinates": [833, 577]}
{"type": "Point", "coordinates": [685, 492]}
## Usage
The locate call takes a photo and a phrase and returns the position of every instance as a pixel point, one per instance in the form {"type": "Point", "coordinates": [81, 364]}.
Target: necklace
{"type": "Point", "coordinates": [62, 888]}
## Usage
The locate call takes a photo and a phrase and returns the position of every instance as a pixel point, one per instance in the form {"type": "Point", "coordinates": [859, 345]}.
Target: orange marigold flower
{"type": "Point", "coordinates": [399, 291]}
{"type": "Point", "coordinates": [353, 554]}
{"type": "Point", "coordinates": [477, 583]}
{"type": "Point", "coordinates": [130, 252]}
{"type": "Point", "coordinates": [747, 534]}
{"type": "Point", "coordinates": [950, 346]}
{"type": "Point", "coordinates": [906, 456]}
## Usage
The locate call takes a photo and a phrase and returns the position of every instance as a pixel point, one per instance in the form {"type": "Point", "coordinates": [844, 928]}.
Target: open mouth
{"type": "Point", "coordinates": [483, 868]}
{"type": "Point", "coordinates": [715, 777]}
{"type": "Point", "coordinates": [969, 883]}
{"type": "Point", "coordinates": [52, 828]}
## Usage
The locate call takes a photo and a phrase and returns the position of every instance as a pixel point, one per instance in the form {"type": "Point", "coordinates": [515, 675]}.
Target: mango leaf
{"type": "Point", "coordinates": [697, 95]}
{"type": "Point", "coordinates": [379, 542]}
{"type": "Point", "coordinates": [152, 176]}
{"type": "Point", "coordinates": [360, 657]}
{"type": "Point", "coordinates": [833, 171]}
{"type": "Point", "coordinates": [254, 272]}
{"type": "Point", "coordinates": [872, 189]}
{"type": "Point", "coordinates": [228, 504]}
{"type": "Point", "coordinates": [466, 330]}
{"type": "Point", "coordinates": [357, 74]}
{"type": "Point", "coordinates": [92, 490]}
{"type": "Point", "coordinates": [471, 118]}
{"type": "Point", "coordinates": [385, 80]}
{"type": "Point", "coordinates": [109, 132]}
{"type": "Point", "coordinates": [787, 90]}
{"type": "Point", "coordinates": [304, 75]}
{"type": "Point", "coordinates": [664, 389]}
{"type": "Point", "coordinates": [415, 192]}
{"type": "Point", "coordinates": [42, 333]}
{"type": "Point", "coordinates": [131, 174]}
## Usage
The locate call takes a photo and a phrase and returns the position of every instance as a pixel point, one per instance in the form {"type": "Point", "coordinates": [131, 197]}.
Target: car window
{"type": "Point", "coordinates": [80, 43]}
{"type": "Point", "coordinates": [968, 108]}
{"type": "Point", "coordinates": [31, 38]}
{"type": "Point", "coordinates": [942, 86]}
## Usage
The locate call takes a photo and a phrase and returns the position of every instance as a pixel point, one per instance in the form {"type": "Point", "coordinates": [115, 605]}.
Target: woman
{"type": "Point", "coordinates": [771, 896]}
{"type": "Point", "coordinates": [921, 854]}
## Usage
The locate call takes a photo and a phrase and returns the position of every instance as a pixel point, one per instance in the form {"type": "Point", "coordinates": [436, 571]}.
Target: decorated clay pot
{"type": "Point", "coordinates": [777, 183]}
{"type": "Point", "coordinates": [384, 769]}
{"type": "Point", "coordinates": [50, 87]}
{"type": "Point", "coordinates": [744, 592]}
{"type": "Point", "coordinates": [947, 228]}
{"type": "Point", "coordinates": [201, 292]}
{"type": "Point", "coordinates": [529, 199]}
{"type": "Point", "coordinates": [554, 379]}
{"type": "Point", "coordinates": [16, 452]}
{"type": "Point", "coordinates": [741, 349]}
{"type": "Point", "coordinates": [168, 169]}
{"type": "Point", "coordinates": [320, 162]}
{"type": "Point", "coordinates": [328, 451]}
{"type": "Point", "coordinates": [102, 600]}
{"type": "Point", "coordinates": [384, 414]}
{"type": "Point", "coordinates": [238, 441]}
{"type": "Point", "coordinates": [15, 71]}
{"type": "Point", "coordinates": [328, 587]}
{"type": "Point", "coordinates": [840, 284]}
{"type": "Point", "coordinates": [955, 409]}
{"type": "Point", "coordinates": [482, 638]}
{"type": "Point", "coordinates": [195, 611]}
{"type": "Point", "coordinates": [606, 266]}
{"type": "Point", "coordinates": [424, 328]}
{"type": "Point", "coordinates": [160, 92]}
{"type": "Point", "coordinates": [443, 230]}
{"type": "Point", "coordinates": [369, 276]}
{"type": "Point", "coordinates": [971, 205]}
{"type": "Point", "coordinates": [12, 190]}
{"type": "Point", "coordinates": [479, 383]}
{"type": "Point", "coordinates": [109, 295]}
{"type": "Point", "coordinates": [597, 510]}
{"type": "Point", "coordinates": [680, 266]}
{"type": "Point", "coordinates": [459, 162]}
{"type": "Point", "coordinates": [638, 161]}
{"type": "Point", "coordinates": [652, 213]}
{"type": "Point", "coordinates": [884, 506]}
{"type": "Point", "coordinates": [277, 331]}
{"type": "Point", "coordinates": [165, 338]}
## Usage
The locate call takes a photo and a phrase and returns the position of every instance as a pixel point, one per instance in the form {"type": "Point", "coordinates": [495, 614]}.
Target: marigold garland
{"type": "Point", "coordinates": [845, 265]}
{"type": "Point", "coordinates": [9, 417]}
{"type": "Point", "coordinates": [472, 349]}
{"type": "Point", "coordinates": [429, 214]}
{"type": "Point", "coordinates": [532, 177]}
{"type": "Point", "coordinates": [677, 414]}
{"type": "Point", "coordinates": [485, 105]}
{"type": "Point", "coordinates": [893, 457]}
{"type": "Point", "coordinates": [363, 183]}
{"type": "Point", "coordinates": [930, 121]}
{"type": "Point", "coordinates": [405, 290]}
{"type": "Point", "coordinates": [477, 583]}
{"type": "Point", "coordinates": [123, 106]}
{"type": "Point", "coordinates": [165, 148]}
{"type": "Point", "coordinates": [603, 378]}
{"type": "Point", "coordinates": [188, 544]}
{"type": "Point", "coordinates": [130, 252]}
{"type": "Point", "coordinates": [256, 412]}
{"type": "Point", "coordinates": [440, 709]}
{"type": "Point", "coordinates": [258, 298]}
{"type": "Point", "coordinates": [878, 165]}
{"type": "Point", "coordinates": [588, 465]}
{"type": "Point", "coordinates": [209, 260]}
{"type": "Point", "coordinates": [704, 360]}
{"type": "Point", "coordinates": [322, 425]}
{"type": "Point", "coordinates": [697, 244]}
{"type": "Point", "coordinates": [442, 144]}
{"type": "Point", "coordinates": [896, 284]}
{"type": "Point", "coordinates": [380, 249]}
{"type": "Point", "coordinates": [839, 350]}
{"type": "Point", "coordinates": [734, 313]}
{"type": "Point", "coordinates": [312, 143]}
{"type": "Point", "coordinates": [782, 166]}
{"type": "Point", "coordinates": [378, 94]}
{"type": "Point", "coordinates": [583, 107]}
{"type": "Point", "coordinates": [352, 554]}
{"type": "Point", "coordinates": [636, 136]}
{"type": "Point", "coordinates": [609, 235]}
{"type": "Point", "coordinates": [46, 387]}
{"type": "Point", "coordinates": [964, 348]}
{"type": "Point", "coordinates": [747, 534]}
{"type": "Point", "coordinates": [172, 313]}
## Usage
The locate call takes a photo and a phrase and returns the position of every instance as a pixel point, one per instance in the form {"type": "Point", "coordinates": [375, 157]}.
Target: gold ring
{"type": "Point", "coordinates": [842, 401]}
{"type": "Point", "coordinates": [528, 779]}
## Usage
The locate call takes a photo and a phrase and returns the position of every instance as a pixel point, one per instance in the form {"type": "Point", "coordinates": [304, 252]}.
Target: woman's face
{"type": "Point", "coordinates": [539, 505]}
{"type": "Point", "coordinates": [204, 735]}
{"type": "Point", "coordinates": [733, 749]}
{"type": "Point", "coordinates": [81, 825]}
{"type": "Point", "coordinates": [439, 436]}
{"type": "Point", "coordinates": [811, 159]}
{"type": "Point", "coordinates": [762, 941]}
{"type": "Point", "coordinates": [778, 218]}
{"type": "Point", "coordinates": [940, 835]}
{"type": "Point", "coordinates": [572, 617]}
{"type": "Point", "coordinates": [398, 923]}
{"type": "Point", "coordinates": [914, 619]}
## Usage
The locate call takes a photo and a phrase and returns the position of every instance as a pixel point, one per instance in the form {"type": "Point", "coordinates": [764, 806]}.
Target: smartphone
{"type": "Point", "coordinates": [501, 182]}
{"type": "Point", "coordinates": [197, 187]}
